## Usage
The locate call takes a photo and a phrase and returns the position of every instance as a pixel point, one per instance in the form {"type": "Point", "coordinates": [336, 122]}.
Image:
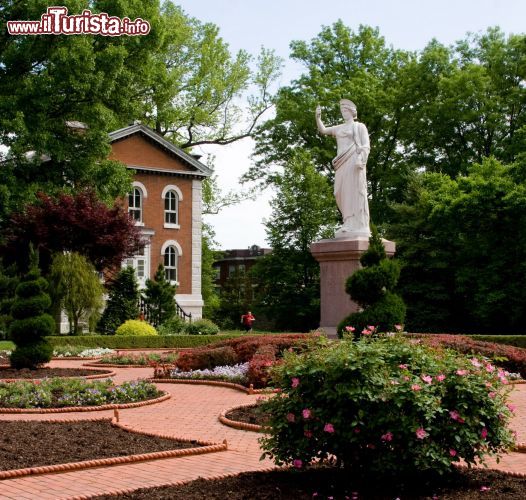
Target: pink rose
{"type": "Point", "coordinates": [297, 463]}
{"type": "Point", "coordinates": [398, 327]}
{"type": "Point", "coordinates": [416, 387]}
{"type": "Point", "coordinates": [511, 407]}
{"type": "Point", "coordinates": [427, 379]}
{"type": "Point", "coordinates": [291, 417]}
{"type": "Point", "coordinates": [421, 433]}
{"type": "Point", "coordinates": [388, 436]}
{"type": "Point", "coordinates": [492, 395]}
{"type": "Point", "coordinates": [462, 372]}
{"type": "Point", "coordinates": [308, 434]}
{"type": "Point", "coordinates": [475, 362]}
{"type": "Point", "coordinates": [453, 452]}
{"type": "Point", "coordinates": [403, 367]}
{"type": "Point", "coordinates": [484, 433]}
{"type": "Point", "coordinates": [366, 332]}
{"type": "Point", "coordinates": [329, 428]}
{"type": "Point", "coordinates": [456, 416]}
{"type": "Point", "coordinates": [350, 329]}
{"type": "Point", "coordinates": [371, 328]}
{"type": "Point", "coordinates": [440, 377]}
{"type": "Point", "coordinates": [295, 382]}
{"type": "Point", "coordinates": [490, 368]}
{"type": "Point", "coordinates": [306, 413]}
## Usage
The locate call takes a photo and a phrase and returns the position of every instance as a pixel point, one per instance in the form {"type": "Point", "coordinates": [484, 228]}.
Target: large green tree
{"type": "Point", "coordinates": [439, 109]}
{"type": "Point", "coordinates": [462, 243]}
{"type": "Point", "coordinates": [303, 211]}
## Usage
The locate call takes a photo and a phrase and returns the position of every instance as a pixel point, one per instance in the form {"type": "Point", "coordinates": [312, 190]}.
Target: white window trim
{"type": "Point", "coordinates": [142, 187]}
{"type": "Point", "coordinates": [169, 243]}
{"type": "Point", "coordinates": [171, 226]}
{"type": "Point", "coordinates": [172, 187]}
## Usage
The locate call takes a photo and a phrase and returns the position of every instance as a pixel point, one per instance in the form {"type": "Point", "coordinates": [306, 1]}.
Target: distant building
{"type": "Point", "coordinates": [237, 261]}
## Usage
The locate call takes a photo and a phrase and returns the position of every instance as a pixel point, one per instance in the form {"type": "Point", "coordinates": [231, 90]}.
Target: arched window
{"type": "Point", "coordinates": [170, 262]}
{"type": "Point", "coordinates": [135, 204]}
{"type": "Point", "coordinates": [171, 208]}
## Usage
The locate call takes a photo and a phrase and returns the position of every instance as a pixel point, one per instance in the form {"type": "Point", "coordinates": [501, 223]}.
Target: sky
{"type": "Point", "coordinates": [251, 24]}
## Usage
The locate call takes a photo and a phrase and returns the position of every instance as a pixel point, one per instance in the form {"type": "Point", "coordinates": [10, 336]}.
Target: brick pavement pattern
{"type": "Point", "coordinates": [191, 413]}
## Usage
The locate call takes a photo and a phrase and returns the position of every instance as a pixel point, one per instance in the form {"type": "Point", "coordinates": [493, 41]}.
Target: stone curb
{"type": "Point", "coordinates": [520, 448]}
{"type": "Point", "coordinates": [218, 477]}
{"type": "Point", "coordinates": [108, 374]}
{"type": "Point", "coordinates": [74, 466]}
{"type": "Point", "coordinates": [240, 425]}
{"type": "Point", "coordinates": [219, 383]}
{"type": "Point", "coordinates": [71, 409]}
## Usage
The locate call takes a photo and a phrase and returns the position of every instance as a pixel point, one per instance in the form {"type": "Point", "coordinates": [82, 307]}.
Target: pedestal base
{"type": "Point", "coordinates": [339, 258]}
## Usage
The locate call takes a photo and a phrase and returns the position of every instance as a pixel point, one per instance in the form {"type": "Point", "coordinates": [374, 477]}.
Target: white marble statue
{"type": "Point", "coordinates": [350, 183]}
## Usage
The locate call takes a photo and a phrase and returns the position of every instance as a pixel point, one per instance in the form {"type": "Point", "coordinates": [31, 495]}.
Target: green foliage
{"type": "Point", "coordinates": [159, 296]}
{"type": "Point", "coordinates": [372, 287]}
{"type": "Point", "coordinates": [136, 328]}
{"type": "Point", "coordinates": [77, 288]}
{"type": "Point", "coordinates": [173, 326]}
{"type": "Point", "coordinates": [208, 257]}
{"type": "Point", "coordinates": [387, 407]}
{"type": "Point", "coordinates": [60, 393]}
{"type": "Point", "coordinates": [31, 323]}
{"type": "Point", "coordinates": [141, 359]}
{"type": "Point", "coordinates": [463, 248]}
{"type": "Point", "coordinates": [140, 342]}
{"type": "Point", "coordinates": [8, 284]}
{"type": "Point", "coordinates": [237, 297]}
{"type": "Point", "coordinates": [440, 109]}
{"type": "Point", "coordinates": [122, 302]}
{"type": "Point", "coordinates": [304, 211]}
{"type": "Point", "coordinates": [201, 327]}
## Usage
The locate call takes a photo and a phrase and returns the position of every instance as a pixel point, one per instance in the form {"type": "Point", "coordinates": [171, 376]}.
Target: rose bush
{"type": "Point", "coordinates": [386, 406]}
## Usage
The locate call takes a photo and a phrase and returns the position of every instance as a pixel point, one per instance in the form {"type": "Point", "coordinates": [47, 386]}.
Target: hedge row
{"type": "Point", "coordinates": [515, 340]}
{"type": "Point", "coordinates": [142, 342]}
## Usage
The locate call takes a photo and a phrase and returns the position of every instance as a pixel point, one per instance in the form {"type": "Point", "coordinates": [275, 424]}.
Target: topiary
{"type": "Point", "coordinates": [372, 289]}
{"type": "Point", "coordinates": [137, 328]}
{"type": "Point", "coordinates": [202, 327]}
{"type": "Point", "coordinates": [31, 323]}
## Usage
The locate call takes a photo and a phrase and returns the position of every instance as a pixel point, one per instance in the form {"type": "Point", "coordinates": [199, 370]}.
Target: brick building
{"type": "Point", "coordinates": [165, 202]}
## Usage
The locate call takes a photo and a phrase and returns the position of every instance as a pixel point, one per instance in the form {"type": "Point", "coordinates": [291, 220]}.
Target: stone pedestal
{"type": "Point", "coordinates": [339, 258]}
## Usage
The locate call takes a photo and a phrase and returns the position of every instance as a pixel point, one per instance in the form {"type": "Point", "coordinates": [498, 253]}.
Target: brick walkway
{"type": "Point", "coordinates": [192, 412]}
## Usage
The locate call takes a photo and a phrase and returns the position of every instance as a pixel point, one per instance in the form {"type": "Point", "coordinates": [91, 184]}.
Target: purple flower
{"type": "Point", "coordinates": [298, 464]}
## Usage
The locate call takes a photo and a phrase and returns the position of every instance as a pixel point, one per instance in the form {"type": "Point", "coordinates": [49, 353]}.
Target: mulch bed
{"type": "Point", "coordinates": [323, 484]}
{"type": "Point", "coordinates": [249, 415]}
{"type": "Point", "coordinates": [10, 373]}
{"type": "Point", "coordinates": [66, 442]}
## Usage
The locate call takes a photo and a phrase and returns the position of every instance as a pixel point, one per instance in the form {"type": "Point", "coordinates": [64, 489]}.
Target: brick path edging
{"type": "Point", "coordinates": [206, 447]}
{"type": "Point", "coordinates": [219, 383]}
{"type": "Point", "coordinates": [107, 374]}
{"type": "Point", "coordinates": [244, 426]}
{"type": "Point", "coordinates": [69, 409]}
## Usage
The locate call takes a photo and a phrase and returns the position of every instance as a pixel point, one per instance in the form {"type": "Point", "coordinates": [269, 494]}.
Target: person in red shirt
{"type": "Point", "coordinates": [247, 320]}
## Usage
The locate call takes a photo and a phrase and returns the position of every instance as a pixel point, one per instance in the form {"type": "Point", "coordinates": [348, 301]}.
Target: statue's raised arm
{"type": "Point", "coordinates": [350, 183]}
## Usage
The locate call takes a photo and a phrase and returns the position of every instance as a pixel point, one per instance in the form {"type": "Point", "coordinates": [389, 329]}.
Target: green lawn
{"type": "Point", "coordinates": [6, 345]}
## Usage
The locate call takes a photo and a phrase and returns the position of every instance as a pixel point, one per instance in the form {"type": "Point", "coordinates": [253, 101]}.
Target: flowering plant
{"type": "Point", "coordinates": [387, 405]}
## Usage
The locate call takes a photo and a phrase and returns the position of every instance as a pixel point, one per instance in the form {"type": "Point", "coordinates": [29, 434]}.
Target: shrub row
{"type": "Point", "coordinates": [512, 359]}
{"type": "Point", "coordinates": [516, 340]}
{"type": "Point", "coordinates": [142, 342]}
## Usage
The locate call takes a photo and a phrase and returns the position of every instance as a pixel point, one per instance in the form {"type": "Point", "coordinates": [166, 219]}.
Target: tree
{"type": "Point", "coordinates": [122, 302]}
{"type": "Point", "coordinates": [78, 288]}
{"type": "Point", "coordinates": [462, 247]}
{"type": "Point", "coordinates": [72, 223]}
{"type": "Point", "coordinates": [237, 297]}
{"type": "Point", "coordinates": [31, 323]}
{"type": "Point", "coordinates": [304, 210]}
{"type": "Point", "coordinates": [8, 283]}
{"type": "Point", "coordinates": [47, 82]}
{"type": "Point", "coordinates": [159, 296]}
{"type": "Point", "coordinates": [438, 110]}
{"type": "Point", "coordinates": [372, 288]}
{"type": "Point", "coordinates": [198, 84]}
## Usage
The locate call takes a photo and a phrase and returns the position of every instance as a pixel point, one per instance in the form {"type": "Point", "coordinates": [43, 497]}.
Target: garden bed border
{"type": "Point", "coordinates": [236, 424]}
{"type": "Point", "coordinates": [207, 447]}
{"type": "Point", "coordinates": [220, 383]}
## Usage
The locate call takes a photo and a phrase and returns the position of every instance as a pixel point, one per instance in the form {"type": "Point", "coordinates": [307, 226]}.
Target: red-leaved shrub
{"type": "Point", "coordinates": [260, 364]}
{"type": "Point", "coordinates": [512, 359]}
{"type": "Point", "coordinates": [201, 359]}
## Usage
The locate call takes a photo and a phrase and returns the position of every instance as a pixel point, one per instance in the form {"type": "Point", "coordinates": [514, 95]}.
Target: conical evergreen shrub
{"type": "Point", "coordinates": [372, 288]}
{"type": "Point", "coordinates": [122, 303]}
{"type": "Point", "coordinates": [31, 323]}
{"type": "Point", "coordinates": [159, 295]}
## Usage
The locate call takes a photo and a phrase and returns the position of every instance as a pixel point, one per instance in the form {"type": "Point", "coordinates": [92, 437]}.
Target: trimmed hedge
{"type": "Point", "coordinates": [515, 340]}
{"type": "Point", "coordinates": [131, 342]}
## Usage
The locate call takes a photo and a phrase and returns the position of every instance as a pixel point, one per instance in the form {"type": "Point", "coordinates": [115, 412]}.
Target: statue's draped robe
{"type": "Point", "coordinates": [350, 183]}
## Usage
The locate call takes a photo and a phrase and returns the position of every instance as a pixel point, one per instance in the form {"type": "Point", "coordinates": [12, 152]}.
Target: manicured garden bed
{"type": "Point", "coordinates": [60, 443]}
{"type": "Point", "coordinates": [40, 373]}
{"type": "Point", "coordinates": [64, 393]}
{"type": "Point", "coordinates": [249, 415]}
{"type": "Point", "coordinates": [139, 359]}
{"type": "Point", "coordinates": [340, 485]}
